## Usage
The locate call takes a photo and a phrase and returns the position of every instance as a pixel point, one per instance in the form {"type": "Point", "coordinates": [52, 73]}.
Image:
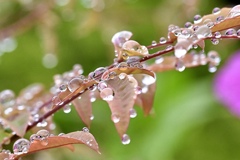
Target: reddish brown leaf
{"type": "Point", "coordinates": [17, 121]}
{"type": "Point", "coordinates": [84, 108]}
{"type": "Point", "coordinates": [4, 156]}
{"type": "Point", "coordinates": [78, 137]}
{"type": "Point", "coordinates": [145, 100]}
{"type": "Point", "coordinates": [127, 70]}
{"type": "Point", "coordinates": [123, 101]}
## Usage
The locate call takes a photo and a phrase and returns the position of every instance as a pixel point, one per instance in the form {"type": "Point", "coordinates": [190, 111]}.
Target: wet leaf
{"type": "Point", "coordinates": [145, 100]}
{"type": "Point", "coordinates": [190, 60]}
{"type": "Point", "coordinates": [128, 70]}
{"type": "Point", "coordinates": [83, 107]}
{"type": "Point", "coordinates": [78, 137]}
{"type": "Point", "coordinates": [123, 101]}
{"type": "Point", "coordinates": [4, 156]}
{"type": "Point", "coordinates": [17, 121]}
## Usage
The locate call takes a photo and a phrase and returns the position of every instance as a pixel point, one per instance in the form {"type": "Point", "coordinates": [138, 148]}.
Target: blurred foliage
{"type": "Point", "coordinates": [187, 123]}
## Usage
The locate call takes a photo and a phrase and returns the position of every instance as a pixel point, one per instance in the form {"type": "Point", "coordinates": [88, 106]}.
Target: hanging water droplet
{"type": "Point", "coordinates": [92, 117]}
{"type": "Point", "coordinates": [203, 59]}
{"type": "Point", "coordinates": [180, 65]}
{"type": "Point", "coordinates": [78, 70]}
{"type": "Point", "coordinates": [235, 11]}
{"type": "Point", "coordinates": [138, 90]}
{"type": "Point", "coordinates": [36, 117]}
{"type": "Point", "coordinates": [122, 76]}
{"type": "Point", "coordinates": [67, 108]}
{"type": "Point", "coordinates": [216, 10]}
{"type": "Point", "coordinates": [93, 98]}
{"type": "Point", "coordinates": [21, 146]}
{"type": "Point", "coordinates": [102, 85]}
{"type": "Point", "coordinates": [217, 35]}
{"type": "Point", "coordinates": [145, 89]}
{"type": "Point", "coordinates": [180, 52]}
{"type": "Point", "coordinates": [212, 68]}
{"type": "Point", "coordinates": [214, 57]}
{"type": "Point", "coordinates": [188, 25]}
{"type": "Point", "coordinates": [43, 123]}
{"type": "Point", "coordinates": [195, 46]}
{"type": "Point", "coordinates": [203, 32]}
{"type": "Point", "coordinates": [133, 113]}
{"type": "Point", "coordinates": [85, 129]}
{"type": "Point", "coordinates": [7, 98]}
{"type": "Point", "coordinates": [148, 80]}
{"type": "Point", "coordinates": [74, 84]}
{"type": "Point", "coordinates": [107, 94]}
{"type": "Point", "coordinates": [63, 87]}
{"type": "Point", "coordinates": [97, 73]}
{"type": "Point", "coordinates": [159, 60]}
{"type": "Point", "coordinates": [56, 100]}
{"type": "Point", "coordinates": [122, 66]}
{"type": "Point", "coordinates": [162, 40]}
{"type": "Point", "coordinates": [197, 19]}
{"type": "Point", "coordinates": [230, 32]}
{"type": "Point", "coordinates": [215, 41]}
{"type": "Point", "coordinates": [126, 139]}
{"type": "Point", "coordinates": [154, 43]}
{"type": "Point", "coordinates": [115, 118]}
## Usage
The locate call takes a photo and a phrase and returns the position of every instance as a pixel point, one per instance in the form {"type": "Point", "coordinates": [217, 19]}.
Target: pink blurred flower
{"type": "Point", "coordinates": [227, 84]}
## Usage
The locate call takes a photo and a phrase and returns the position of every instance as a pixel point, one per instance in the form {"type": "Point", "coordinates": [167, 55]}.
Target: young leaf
{"type": "Point", "coordinates": [78, 137]}
{"type": "Point", "coordinates": [122, 101]}
{"type": "Point", "coordinates": [17, 121]}
{"type": "Point", "coordinates": [83, 107]}
{"type": "Point", "coordinates": [145, 99]}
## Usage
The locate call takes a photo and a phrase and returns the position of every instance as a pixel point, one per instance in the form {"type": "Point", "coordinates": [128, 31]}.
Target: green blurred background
{"type": "Point", "coordinates": [187, 124]}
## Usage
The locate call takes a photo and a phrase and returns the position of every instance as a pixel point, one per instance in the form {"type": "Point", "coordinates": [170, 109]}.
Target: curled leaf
{"type": "Point", "coordinates": [146, 98]}
{"type": "Point", "coordinates": [83, 107]}
{"type": "Point", "coordinates": [122, 100]}
{"type": "Point", "coordinates": [78, 137]}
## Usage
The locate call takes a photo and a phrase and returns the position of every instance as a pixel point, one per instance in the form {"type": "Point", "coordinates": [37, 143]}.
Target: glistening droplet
{"type": "Point", "coordinates": [67, 108]}
{"type": "Point", "coordinates": [180, 65]}
{"type": "Point", "coordinates": [132, 113]}
{"type": "Point", "coordinates": [74, 84]}
{"type": "Point", "coordinates": [21, 146]}
{"type": "Point", "coordinates": [197, 19]}
{"type": "Point", "coordinates": [126, 139]}
{"type": "Point", "coordinates": [107, 94]}
{"type": "Point", "coordinates": [216, 10]}
{"type": "Point", "coordinates": [115, 118]}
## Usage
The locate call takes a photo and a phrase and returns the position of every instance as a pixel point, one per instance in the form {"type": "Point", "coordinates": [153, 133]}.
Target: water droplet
{"type": "Point", "coordinates": [214, 57]}
{"type": "Point", "coordinates": [159, 60]}
{"type": "Point", "coordinates": [85, 129]}
{"type": "Point", "coordinates": [44, 142]}
{"type": "Point", "coordinates": [203, 32]}
{"type": "Point", "coordinates": [212, 68]}
{"type": "Point", "coordinates": [120, 38]}
{"type": "Point", "coordinates": [180, 65]}
{"type": "Point", "coordinates": [217, 35]}
{"type": "Point", "coordinates": [235, 11]}
{"type": "Point", "coordinates": [92, 98]}
{"type": "Point", "coordinates": [169, 47]}
{"type": "Point", "coordinates": [230, 32]}
{"type": "Point", "coordinates": [126, 139]}
{"type": "Point", "coordinates": [67, 108]}
{"type": "Point", "coordinates": [61, 134]}
{"type": "Point", "coordinates": [122, 66]}
{"type": "Point", "coordinates": [52, 126]}
{"type": "Point", "coordinates": [215, 41]}
{"type": "Point", "coordinates": [74, 84]}
{"type": "Point", "coordinates": [197, 19]}
{"type": "Point", "coordinates": [97, 73]}
{"type": "Point", "coordinates": [92, 117]}
{"type": "Point", "coordinates": [56, 100]}
{"type": "Point", "coordinates": [7, 111]}
{"type": "Point", "coordinates": [42, 134]}
{"type": "Point", "coordinates": [138, 90]}
{"type": "Point", "coordinates": [7, 98]}
{"type": "Point", "coordinates": [180, 52]}
{"type": "Point", "coordinates": [188, 25]}
{"type": "Point", "coordinates": [115, 118]}
{"type": "Point", "coordinates": [43, 123]}
{"type": "Point", "coordinates": [220, 18]}
{"type": "Point", "coordinates": [125, 55]}
{"type": "Point", "coordinates": [93, 87]}
{"type": "Point", "coordinates": [21, 146]}
{"type": "Point", "coordinates": [50, 60]}
{"type": "Point", "coordinates": [112, 75]}
{"type": "Point", "coordinates": [238, 33]}
{"type": "Point", "coordinates": [122, 76]}
{"type": "Point", "coordinates": [145, 89]}
{"type": "Point", "coordinates": [148, 80]}
{"type": "Point", "coordinates": [63, 87]}
{"type": "Point", "coordinates": [186, 33]}
{"type": "Point", "coordinates": [203, 59]}
{"type": "Point", "coordinates": [216, 10]}
{"type": "Point", "coordinates": [162, 40]}
{"type": "Point", "coordinates": [154, 43]}
{"type": "Point", "coordinates": [107, 94]}
{"type": "Point", "coordinates": [132, 113]}
{"type": "Point", "coordinates": [102, 85]}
